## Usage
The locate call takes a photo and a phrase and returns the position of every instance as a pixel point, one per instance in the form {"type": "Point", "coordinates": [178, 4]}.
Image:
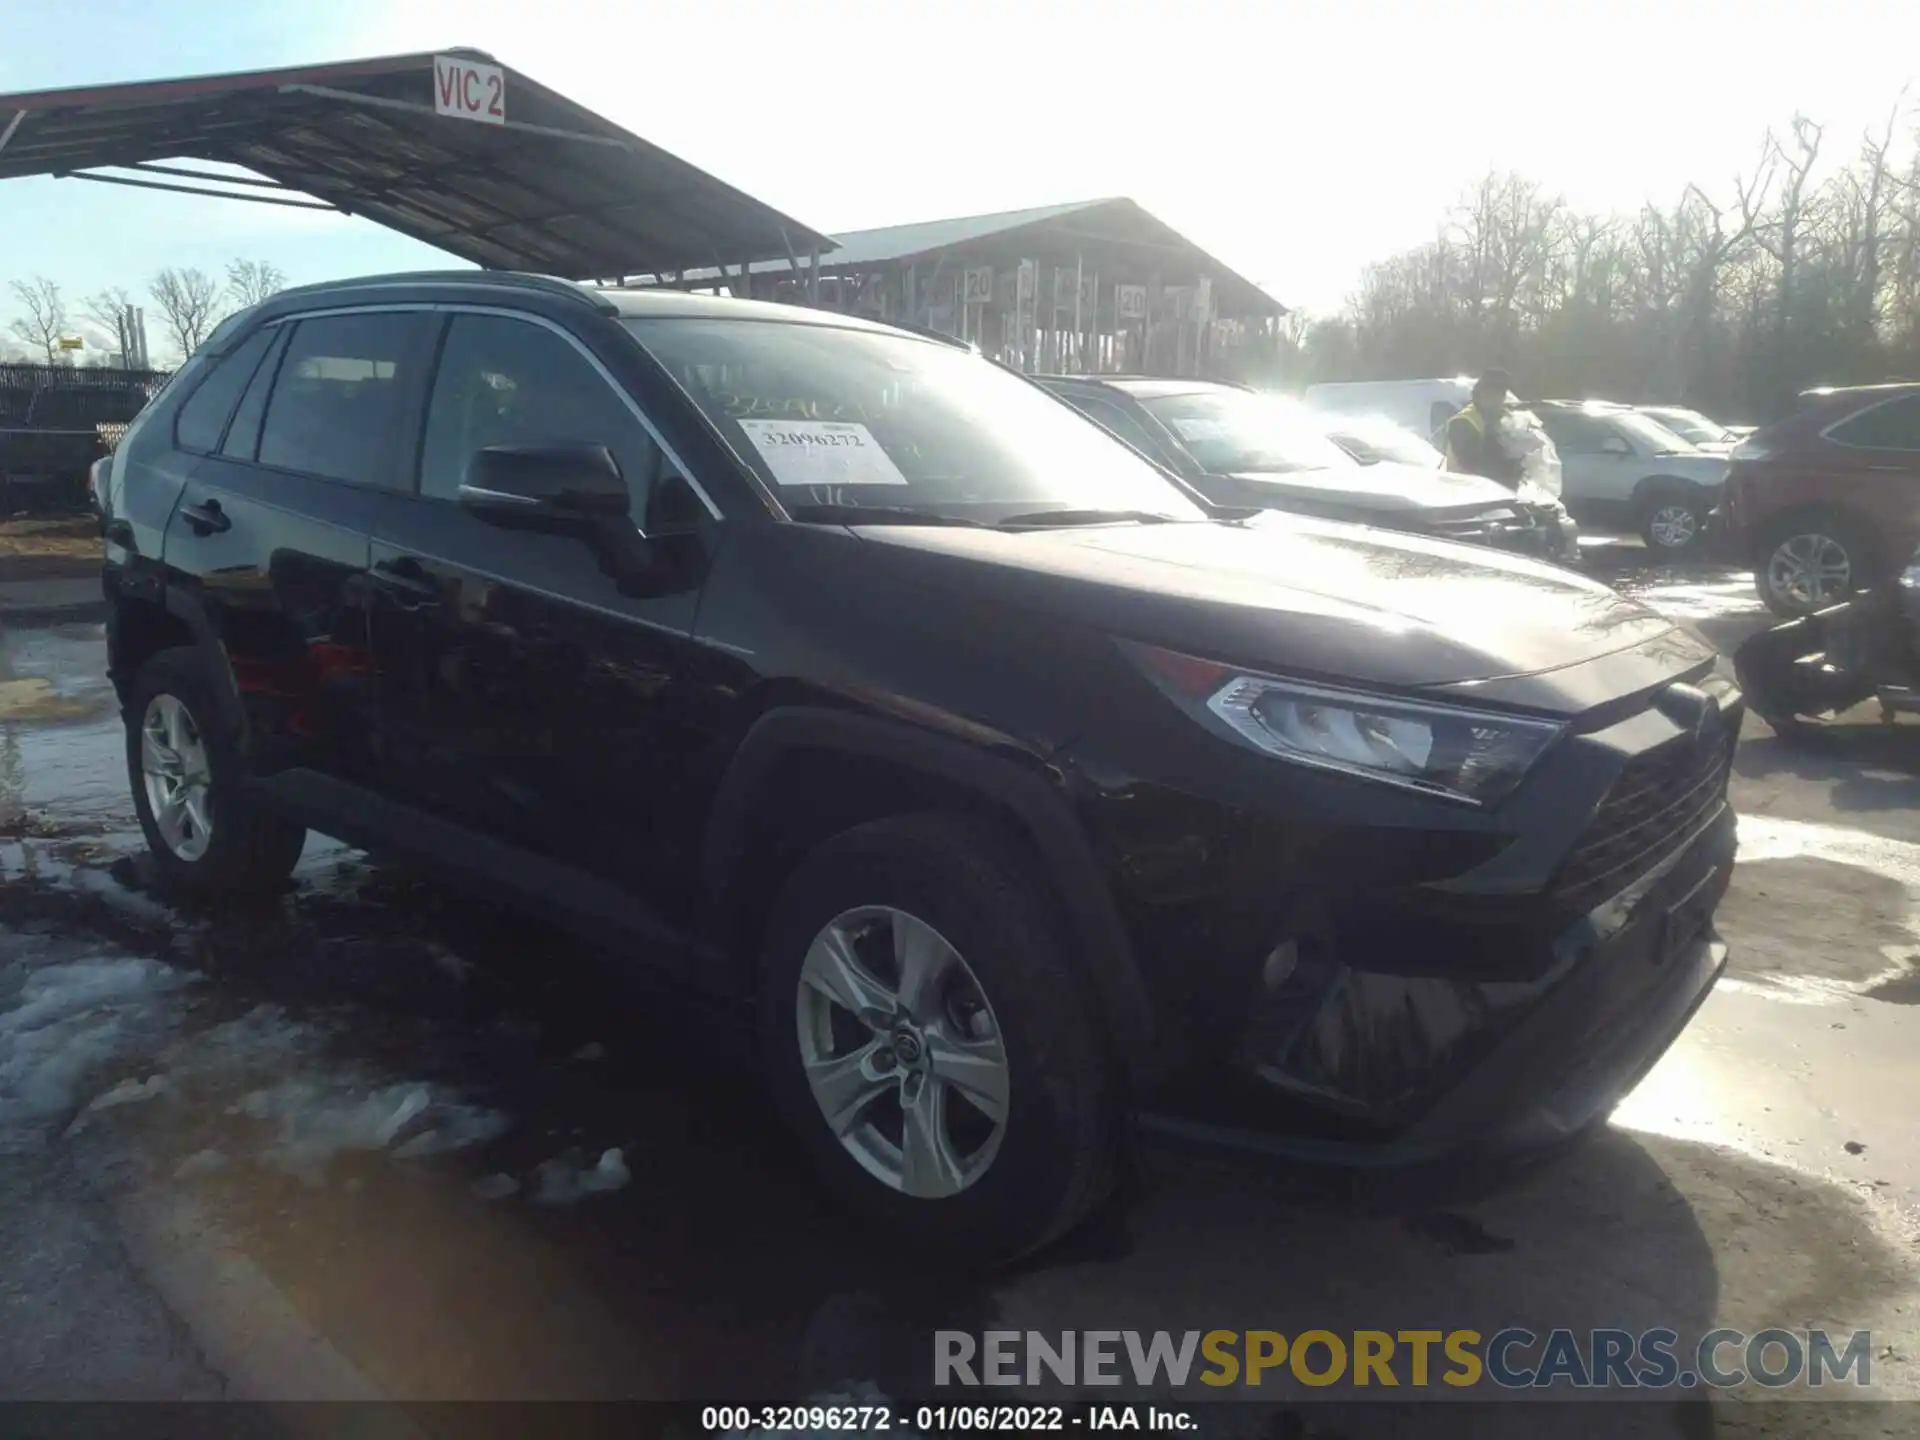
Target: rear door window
{"type": "Point", "coordinates": [342, 395]}
{"type": "Point", "coordinates": [1575, 434]}
{"type": "Point", "coordinates": [202, 420]}
{"type": "Point", "coordinates": [1891, 425]}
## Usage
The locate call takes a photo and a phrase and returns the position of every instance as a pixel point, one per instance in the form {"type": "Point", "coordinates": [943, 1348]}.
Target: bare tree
{"type": "Point", "coordinates": [190, 302]}
{"type": "Point", "coordinates": [1781, 238]}
{"type": "Point", "coordinates": [251, 281]}
{"type": "Point", "coordinates": [45, 320]}
{"type": "Point", "coordinates": [1870, 205]}
{"type": "Point", "coordinates": [108, 311]}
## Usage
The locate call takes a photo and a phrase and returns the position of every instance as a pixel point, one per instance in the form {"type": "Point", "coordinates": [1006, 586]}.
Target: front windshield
{"type": "Point", "coordinates": [1691, 425]}
{"type": "Point", "coordinates": [1232, 431]}
{"type": "Point", "coordinates": [1385, 440]}
{"type": "Point", "coordinates": [856, 419]}
{"type": "Point", "coordinates": [1651, 434]}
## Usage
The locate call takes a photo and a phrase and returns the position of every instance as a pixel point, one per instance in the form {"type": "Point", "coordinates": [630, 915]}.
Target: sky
{"type": "Point", "coordinates": [1295, 142]}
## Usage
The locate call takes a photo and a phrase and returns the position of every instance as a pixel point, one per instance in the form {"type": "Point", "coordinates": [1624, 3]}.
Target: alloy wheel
{"type": "Point", "coordinates": [1674, 527]}
{"type": "Point", "coordinates": [1810, 571]}
{"type": "Point", "coordinates": [902, 1051]}
{"type": "Point", "coordinates": [175, 775]}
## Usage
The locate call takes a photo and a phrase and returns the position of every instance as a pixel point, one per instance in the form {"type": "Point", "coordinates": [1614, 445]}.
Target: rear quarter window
{"type": "Point", "coordinates": [1889, 425]}
{"type": "Point", "coordinates": [202, 419]}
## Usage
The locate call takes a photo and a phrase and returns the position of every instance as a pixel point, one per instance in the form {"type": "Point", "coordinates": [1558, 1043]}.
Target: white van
{"type": "Point", "coordinates": [1422, 406]}
{"type": "Point", "coordinates": [1425, 407]}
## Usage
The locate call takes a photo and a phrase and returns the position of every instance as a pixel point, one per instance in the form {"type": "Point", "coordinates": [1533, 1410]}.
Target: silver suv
{"type": "Point", "coordinates": [1623, 471]}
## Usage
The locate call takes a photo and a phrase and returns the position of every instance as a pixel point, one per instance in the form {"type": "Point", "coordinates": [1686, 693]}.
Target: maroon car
{"type": "Point", "coordinates": [1827, 501]}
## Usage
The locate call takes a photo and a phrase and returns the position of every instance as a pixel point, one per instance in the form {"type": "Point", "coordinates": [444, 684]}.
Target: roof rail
{"type": "Point", "coordinates": [506, 279]}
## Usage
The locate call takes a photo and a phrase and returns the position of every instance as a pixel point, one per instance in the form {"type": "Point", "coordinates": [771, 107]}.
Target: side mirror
{"type": "Point", "coordinates": [544, 487]}
{"type": "Point", "coordinates": [1614, 445]}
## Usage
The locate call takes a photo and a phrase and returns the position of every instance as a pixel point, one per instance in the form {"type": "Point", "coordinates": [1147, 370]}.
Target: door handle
{"type": "Point", "coordinates": [206, 518]}
{"type": "Point", "coordinates": [405, 578]}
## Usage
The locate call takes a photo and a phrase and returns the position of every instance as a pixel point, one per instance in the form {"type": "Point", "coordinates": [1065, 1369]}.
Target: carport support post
{"type": "Point", "coordinates": [813, 277]}
{"type": "Point", "coordinates": [1079, 321]}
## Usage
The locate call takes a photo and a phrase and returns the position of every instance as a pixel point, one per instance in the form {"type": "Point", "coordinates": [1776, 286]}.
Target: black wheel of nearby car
{"type": "Point", "coordinates": [1672, 522]}
{"type": "Point", "coordinates": [206, 834]}
{"type": "Point", "coordinates": [929, 1043]}
{"type": "Point", "coordinates": [1810, 561]}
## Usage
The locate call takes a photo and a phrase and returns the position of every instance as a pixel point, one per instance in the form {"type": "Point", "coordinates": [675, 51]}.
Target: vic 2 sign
{"type": "Point", "coordinates": [469, 91]}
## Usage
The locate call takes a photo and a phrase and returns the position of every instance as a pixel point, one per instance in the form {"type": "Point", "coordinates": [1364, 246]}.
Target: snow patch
{"type": "Point", "coordinates": [318, 1118]}
{"type": "Point", "coordinates": [130, 1092]}
{"type": "Point", "coordinates": [201, 1162]}
{"type": "Point", "coordinates": [70, 1019]}
{"type": "Point", "coordinates": [496, 1187]}
{"type": "Point", "coordinates": [68, 1013]}
{"type": "Point", "coordinates": [1768, 837]}
{"type": "Point", "coordinates": [566, 1179]}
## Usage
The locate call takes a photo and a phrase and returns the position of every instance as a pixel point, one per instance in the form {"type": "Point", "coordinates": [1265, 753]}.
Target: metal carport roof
{"type": "Point", "coordinates": [549, 186]}
{"type": "Point", "coordinates": [1120, 225]}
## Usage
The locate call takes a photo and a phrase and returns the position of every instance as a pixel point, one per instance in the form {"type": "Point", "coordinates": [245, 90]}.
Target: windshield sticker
{"type": "Point", "coordinates": [821, 452]}
{"type": "Point", "coordinates": [1196, 429]}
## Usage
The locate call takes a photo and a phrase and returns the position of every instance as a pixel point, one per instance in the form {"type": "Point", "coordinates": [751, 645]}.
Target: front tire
{"type": "Point", "coordinates": [1672, 522]}
{"type": "Point", "coordinates": [207, 835]}
{"type": "Point", "coordinates": [928, 1042]}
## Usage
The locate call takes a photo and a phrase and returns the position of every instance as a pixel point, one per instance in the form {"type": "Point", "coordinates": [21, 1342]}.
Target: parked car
{"type": "Point", "coordinates": [1240, 449]}
{"type": "Point", "coordinates": [1372, 440]}
{"type": "Point", "coordinates": [1690, 425]}
{"type": "Point", "coordinates": [1622, 471]}
{"type": "Point", "coordinates": [1827, 501]}
{"type": "Point", "coordinates": [846, 676]}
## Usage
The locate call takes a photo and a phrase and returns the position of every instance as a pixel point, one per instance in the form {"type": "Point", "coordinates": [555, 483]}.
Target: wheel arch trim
{"type": "Point", "coordinates": [1102, 947]}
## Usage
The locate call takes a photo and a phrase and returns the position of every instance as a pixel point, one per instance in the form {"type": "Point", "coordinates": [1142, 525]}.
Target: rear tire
{"type": "Point", "coordinates": [207, 835]}
{"type": "Point", "coordinates": [999, 1189]}
{"type": "Point", "coordinates": [1810, 561]}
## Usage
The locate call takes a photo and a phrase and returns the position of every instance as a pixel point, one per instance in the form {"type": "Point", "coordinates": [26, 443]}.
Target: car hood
{"type": "Point", "coordinates": [1386, 487]}
{"type": "Point", "coordinates": [1285, 593]}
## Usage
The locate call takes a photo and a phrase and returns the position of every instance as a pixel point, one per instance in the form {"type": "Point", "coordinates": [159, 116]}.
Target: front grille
{"type": "Point", "coordinates": [1500, 532]}
{"type": "Point", "coordinates": [1656, 805]}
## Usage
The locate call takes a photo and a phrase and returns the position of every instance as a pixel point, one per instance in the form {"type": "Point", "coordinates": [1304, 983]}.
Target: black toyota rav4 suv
{"type": "Point", "coordinates": [844, 674]}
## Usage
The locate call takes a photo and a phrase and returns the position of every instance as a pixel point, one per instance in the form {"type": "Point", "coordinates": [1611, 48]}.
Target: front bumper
{"type": "Point", "coordinates": [1526, 533]}
{"type": "Point", "coordinates": [1555, 1056]}
{"type": "Point", "coordinates": [1492, 1013]}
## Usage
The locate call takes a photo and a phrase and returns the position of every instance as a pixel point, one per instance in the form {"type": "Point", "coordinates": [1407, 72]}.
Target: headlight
{"type": "Point", "coordinates": [1449, 750]}
{"type": "Point", "coordinates": [1910, 577]}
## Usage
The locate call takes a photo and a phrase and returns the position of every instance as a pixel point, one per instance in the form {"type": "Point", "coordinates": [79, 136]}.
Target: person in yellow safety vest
{"type": "Point", "coordinates": [1473, 436]}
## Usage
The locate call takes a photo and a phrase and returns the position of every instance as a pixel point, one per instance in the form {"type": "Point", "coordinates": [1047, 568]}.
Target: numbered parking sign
{"type": "Point", "coordinates": [468, 90]}
{"type": "Point", "coordinates": [979, 289]}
